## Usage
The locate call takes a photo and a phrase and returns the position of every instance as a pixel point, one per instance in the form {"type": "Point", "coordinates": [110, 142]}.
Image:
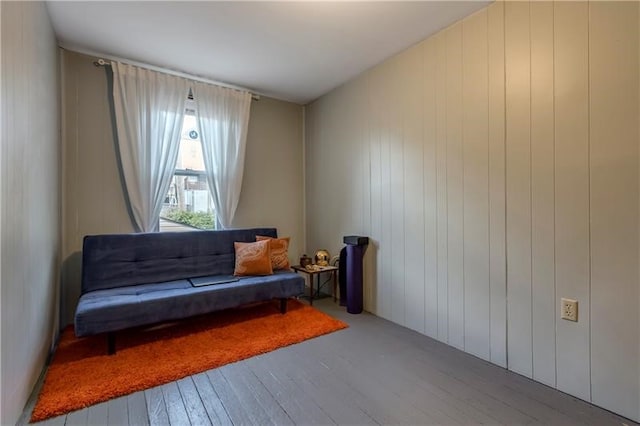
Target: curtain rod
{"type": "Point", "coordinates": [103, 63]}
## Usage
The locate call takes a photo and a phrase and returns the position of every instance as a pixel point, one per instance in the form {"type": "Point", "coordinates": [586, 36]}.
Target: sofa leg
{"type": "Point", "coordinates": [111, 343]}
{"type": "Point", "coordinates": [283, 306]}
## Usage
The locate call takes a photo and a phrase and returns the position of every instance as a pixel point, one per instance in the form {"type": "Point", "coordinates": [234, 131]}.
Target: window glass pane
{"type": "Point", "coordinates": [188, 204]}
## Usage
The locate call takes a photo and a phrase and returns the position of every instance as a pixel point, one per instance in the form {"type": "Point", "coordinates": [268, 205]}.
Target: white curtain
{"type": "Point", "coordinates": [223, 118]}
{"type": "Point", "coordinates": [149, 108]}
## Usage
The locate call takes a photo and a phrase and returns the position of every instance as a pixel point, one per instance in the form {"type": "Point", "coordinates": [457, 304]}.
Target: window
{"type": "Point", "coordinates": [188, 204]}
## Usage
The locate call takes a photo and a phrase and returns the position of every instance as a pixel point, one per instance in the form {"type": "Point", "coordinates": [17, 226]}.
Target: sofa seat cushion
{"type": "Point", "coordinates": [119, 308]}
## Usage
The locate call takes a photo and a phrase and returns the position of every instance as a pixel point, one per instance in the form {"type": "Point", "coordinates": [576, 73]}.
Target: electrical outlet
{"type": "Point", "coordinates": [569, 309]}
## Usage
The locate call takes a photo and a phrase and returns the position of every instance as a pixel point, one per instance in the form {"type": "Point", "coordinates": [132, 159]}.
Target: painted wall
{"type": "Point", "coordinates": [93, 200]}
{"type": "Point", "coordinates": [30, 200]}
{"type": "Point", "coordinates": [92, 192]}
{"type": "Point", "coordinates": [495, 165]}
{"type": "Point", "coordinates": [272, 187]}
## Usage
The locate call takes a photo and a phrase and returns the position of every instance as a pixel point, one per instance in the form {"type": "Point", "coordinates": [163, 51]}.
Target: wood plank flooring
{"type": "Point", "coordinates": [374, 372]}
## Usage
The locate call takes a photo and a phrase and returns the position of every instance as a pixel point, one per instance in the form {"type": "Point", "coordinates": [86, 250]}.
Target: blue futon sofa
{"type": "Point", "coordinates": [132, 280]}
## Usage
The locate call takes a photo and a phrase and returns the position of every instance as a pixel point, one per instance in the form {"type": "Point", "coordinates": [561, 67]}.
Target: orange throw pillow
{"type": "Point", "coordinates": [253, 258]}
{"type": "Point", "coordinates": [279, 251]}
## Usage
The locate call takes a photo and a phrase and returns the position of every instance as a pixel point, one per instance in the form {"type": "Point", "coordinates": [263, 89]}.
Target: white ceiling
{"type": "Point", "coordinates": [295, 51]}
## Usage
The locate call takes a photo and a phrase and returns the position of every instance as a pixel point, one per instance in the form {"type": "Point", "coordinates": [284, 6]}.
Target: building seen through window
{"type": "Point", "coordinates": [188, 204]}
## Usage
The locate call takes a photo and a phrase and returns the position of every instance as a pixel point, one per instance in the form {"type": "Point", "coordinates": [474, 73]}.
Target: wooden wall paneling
{"type": "Point", "coordinates": [430, 196]}
{"type": "Point", "coordinates": [414, 254]}
{"type": "Point", "coordinates": [455, 184]}
{"type": "Point", "coordinates": [441, 183]}
{"type": "Point", "coordinates": [14, 246]}
{"type": "Point", "coordinates": [348, 141]}
{"type": "Point", "coordinates": [571, 65]}
{"type": "Point", "coordinates": [518, 172]}
{"type": "Point", "coordinates": [345, 138]}
{"type": "Point", "coordinates": [386, 139]}
{"type": "Point", "coordinates": [396, 167]}
{"type": "Point", "coordinates": [530, 193]}
{"type": "Point", "coordinates": [353, 169]}
{"type": "Point", "coordinates": [24, 157]}
{"type": "Point", "coordinates": [30, 199]}
{"type": "Point", "coordinates": [43, 223]}
{"type": "Point", "coordinates": [614, 170]}
{"type": "Point", "coordinates": [375, 113]}
{"type": "Point", "coordinates": [31, 208]}
{"type": "Point", "coordinates": [342, 138]}
{"type": "Point", "coordinates": [542, 195]}
{"type": "Point", "coordinates": [476, 185]}
{"type": "Point", "coordinates": [362, 160]}
{"type": "Point", "coordinates": [497, 202]}
{"type": "Point", "coordinates": [385, 188]}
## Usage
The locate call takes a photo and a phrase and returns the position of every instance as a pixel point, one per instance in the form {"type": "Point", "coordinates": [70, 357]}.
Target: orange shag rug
{"type": "Point", "coordinates": [82, 374]}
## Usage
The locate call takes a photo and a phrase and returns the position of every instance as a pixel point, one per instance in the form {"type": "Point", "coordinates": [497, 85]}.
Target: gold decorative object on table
{"type": "Point", "coordinates": [322, 257]}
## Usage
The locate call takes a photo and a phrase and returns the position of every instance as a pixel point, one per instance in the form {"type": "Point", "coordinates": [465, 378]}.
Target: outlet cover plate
{"type": "Point", "coordinates": [569, 309]}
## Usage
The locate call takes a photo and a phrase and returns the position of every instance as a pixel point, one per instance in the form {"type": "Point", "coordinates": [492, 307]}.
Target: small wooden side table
{"type": "Point", "coordinates": [334, 275]}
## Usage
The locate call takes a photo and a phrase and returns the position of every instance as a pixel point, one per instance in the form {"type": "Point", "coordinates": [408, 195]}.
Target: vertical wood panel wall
{"type": "Point", "coordinates": [518, 186]}
{"type": "Point", "coordinates": [571, 74]}
{"type": "Point", "coordinates": [497, 194]}
{"type": "Point", "coordinates": [543, 282]}
{"type": "Point", "coordinates": [30, 200]}
{"type": "Point", "coordinates": [614, 195]}
{"type": "Point", "coordinates": [475, 131]}
{"type": "Point", "coordinates": [496, 168]}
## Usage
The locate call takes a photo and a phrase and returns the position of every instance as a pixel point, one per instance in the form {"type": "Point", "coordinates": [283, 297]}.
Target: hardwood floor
{"type": "Point", "coordinates": [374, 372]}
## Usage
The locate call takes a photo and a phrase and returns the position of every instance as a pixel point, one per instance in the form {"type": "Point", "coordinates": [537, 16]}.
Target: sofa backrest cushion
{"type": "Point", "coordinates": [119, 260]}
